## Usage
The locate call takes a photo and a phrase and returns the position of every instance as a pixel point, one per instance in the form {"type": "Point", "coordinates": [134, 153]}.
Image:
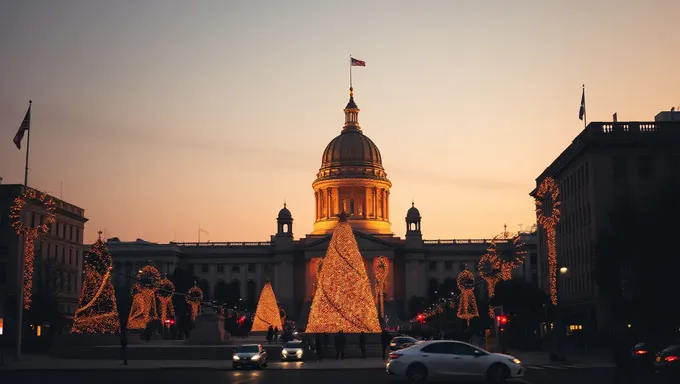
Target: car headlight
{"type": "Point", "coordinates": [236, 357]}
{"type": "Point", "coordinates": [284, 353]}
{"type": "Point", "coordinates": [256, 357]}
{"type": "Point", "coordinates": [393, 344]}
{"type": "Point", "coordinates": [299, 353]}
{"type": "Point", "coordinates": [516, 361]}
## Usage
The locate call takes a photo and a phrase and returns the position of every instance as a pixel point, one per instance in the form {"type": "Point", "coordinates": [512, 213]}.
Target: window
{"type": "Point", "coordinates": [439, 348]}
{"type": "Point", "coordinates": [645, 166]}
{"type": "Point", "coordinates": [70, 257]}
{"type": "Point", "coordinates": [619, 167]}
{"type": "Point", "coordinates": [220, 268]}
{"type": "Point", "coordinates": [236, 268]}
{"type": "Point", "coordinates": [268, 267]}
{"type": "Point", "coordinates": [433, 265]}
{"type": "Point", "coordinates": [463, 349]}
{"type": "Point", "coordinates": [205, 268]}
{"type": "Point", "coordinates": [448, 265]}
{"type": "Point", "coordinates": [251, 268]}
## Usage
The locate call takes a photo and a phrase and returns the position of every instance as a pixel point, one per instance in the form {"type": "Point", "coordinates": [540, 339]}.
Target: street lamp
{"type": "Point", "coordinates": [559, 327]}
{"type": "Point", "coordinates": [564, 270]}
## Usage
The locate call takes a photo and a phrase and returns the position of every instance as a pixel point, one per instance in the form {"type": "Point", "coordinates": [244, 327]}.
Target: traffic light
{"type": "Point", "coordinates": [421, 318]}
{"type": "Point", "coordinates": [501, 322]}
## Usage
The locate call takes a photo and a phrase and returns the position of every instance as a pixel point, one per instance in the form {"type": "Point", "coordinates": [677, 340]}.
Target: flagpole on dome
{"type": "Point", "coordinates": [350, 72]}
{"type": "Point", "coordinates": [28, 144]}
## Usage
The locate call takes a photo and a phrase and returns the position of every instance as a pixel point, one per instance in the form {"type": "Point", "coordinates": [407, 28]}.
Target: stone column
{"type": "Point", "coordinates": [390, 280]}
{"type": "Point", "coordinates": [316, 206]}
{"type": "Point", "coordinates": [375, 202]}
{"type": "Point", "coordinates": [328, 202]}
{"type": "Point", "coordinates": [367, 191]}
{"type": "Point", "coordinates": [338, 209]}
{"type": "Point", "coordinates": [387, 205]}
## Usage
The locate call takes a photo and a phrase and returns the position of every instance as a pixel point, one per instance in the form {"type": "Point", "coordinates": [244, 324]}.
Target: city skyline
{"type": "Point", "coordinates": [136, 121]}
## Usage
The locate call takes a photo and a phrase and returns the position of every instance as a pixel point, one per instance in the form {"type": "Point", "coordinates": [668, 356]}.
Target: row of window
{"type": "Point", "coordinates": [59, 229]}
{"type": "Point", "coordinates": [236, 268]}
{"type": "Point", "coordinates": [59, 253]}
{"type": "Point", "coordinates": [645, 166]}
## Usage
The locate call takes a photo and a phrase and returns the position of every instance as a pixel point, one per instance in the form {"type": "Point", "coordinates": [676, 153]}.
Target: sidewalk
{"type": "Point", "coordinates": [39, 362]}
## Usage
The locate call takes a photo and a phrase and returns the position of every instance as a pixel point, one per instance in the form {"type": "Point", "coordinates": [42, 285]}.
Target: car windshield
{"type": "Point", "coordinates": [672, 349]}
{"type": "Point", "coordinates": [248, 349]}
{"type": "Point", "coordinates": [405, 340]}
{"type": "Point", "coordinates": [293, 345]}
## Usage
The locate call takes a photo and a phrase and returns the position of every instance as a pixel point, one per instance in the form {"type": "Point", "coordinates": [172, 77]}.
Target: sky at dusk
{"type": "Point", "coordinates": [158, 116]}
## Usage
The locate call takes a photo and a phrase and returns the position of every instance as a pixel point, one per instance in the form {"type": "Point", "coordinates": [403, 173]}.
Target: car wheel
{"type": "Point", "coordinates": [416, 373]}
{"type": "Point", "coordinates": [497, 373]}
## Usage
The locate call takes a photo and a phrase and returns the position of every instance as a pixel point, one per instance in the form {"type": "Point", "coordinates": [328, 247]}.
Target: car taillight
{"type": "Point", "coordinates": [641, 352]}
{"type": "Point", "coordinates": [395, 356]}
{"type": "Point", "coordinates": [671, 358]}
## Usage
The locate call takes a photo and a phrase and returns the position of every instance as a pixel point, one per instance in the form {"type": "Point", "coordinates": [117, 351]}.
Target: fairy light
{"type": "Point", "coordinates": [31, 234]}
{"type": "Point", "coordinates": [143, 298]}
{"type": "Point", "coordinates": [97, 311]}
{"type": "Point", "coordinates": [548, 194]}
{"type": "Point", "coordinates": [489, 269]}
{"type": "Point", "coordinates": [194, 298]}
{"type": "Point", "coordinates": [343, 300]}
{"type": "Point", "coordinates": [267, 313]}
{"type": "Point", "coordinates": [380, 271]}
{"type": "Point", "coordinates": [467, 308]}
{"type": "Point", "coordinates": [510, 253]}
{"type": "Point", "coordinates": [165, 291]}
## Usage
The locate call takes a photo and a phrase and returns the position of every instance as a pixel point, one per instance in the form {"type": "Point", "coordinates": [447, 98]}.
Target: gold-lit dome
{"type": "Point", "coordinates": [352, 180]}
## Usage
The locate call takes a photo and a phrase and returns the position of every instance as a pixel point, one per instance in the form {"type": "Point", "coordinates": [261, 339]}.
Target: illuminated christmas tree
{"type": "Point", "coordinates": [343, 300]}
{"type": "Point", "coordinates": [97, 312]}
{"type": "Point", "coordinates": [267, 313]}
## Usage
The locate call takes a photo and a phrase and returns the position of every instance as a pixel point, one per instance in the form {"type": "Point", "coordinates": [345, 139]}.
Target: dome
{"type": "Point", "coordinates": [413, 214]}
{"type": "Point", "coordinates": [351, 147]}
{"type": "Point", "coordinates": [284, 213]}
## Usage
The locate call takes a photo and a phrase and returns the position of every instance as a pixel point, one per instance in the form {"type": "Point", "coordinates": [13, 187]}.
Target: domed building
{"type": "Point", "coordinates": [351, 181]}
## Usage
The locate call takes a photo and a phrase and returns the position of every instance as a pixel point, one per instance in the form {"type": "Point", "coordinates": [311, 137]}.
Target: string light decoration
{"type": "Point", "coordinates": [144, 298]}
{"type": "Point", "coordinates": [380, 272]}
{"type": "Point", "coordinates": [509, 252]}
{"type": "Point", "coordinates": [194, 298]}
{"type": "Point", "coordinates": [31, 233]}
{"type": "Point", "coordinates": [267, 313]}
{"type": "Point", "coordinates": [343, 299]}
{"type": "Point", "coordinates": [97, 311]}
{"type": "Point", "coordinates": [489, 269]}
{"type": "Point", "coordinates": [548, 196]}
{"type": "Point", "coordinates": [467, 308]}
{"type": "Point", "coordinates": [282, 314]}
{"type": "Point", "coordinates": [165, 291]}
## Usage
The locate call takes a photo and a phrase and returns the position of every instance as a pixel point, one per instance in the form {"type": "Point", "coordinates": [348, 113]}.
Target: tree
{"type": "Point", "coordinates": [343, 299]}
{"type": "Point", "coordinates": [267, 313]}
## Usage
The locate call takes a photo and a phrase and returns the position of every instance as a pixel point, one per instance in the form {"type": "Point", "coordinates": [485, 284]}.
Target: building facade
{"type": "Point", "coordinates": [58, 254]}
{"type": "Point", "coordinates": [352, 180]}
{"type": "Point", "coordinates": [606, 162]}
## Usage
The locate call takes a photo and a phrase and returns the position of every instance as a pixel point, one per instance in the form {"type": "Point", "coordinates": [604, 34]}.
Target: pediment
{"type": "Point", "coordinates": [366, 242]}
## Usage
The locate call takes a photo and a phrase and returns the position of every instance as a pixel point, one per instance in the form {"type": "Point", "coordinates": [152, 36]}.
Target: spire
{"type": "Point", "coordinates": [351, 114]}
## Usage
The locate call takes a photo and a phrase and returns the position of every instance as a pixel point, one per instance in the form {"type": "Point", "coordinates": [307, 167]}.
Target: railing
{"type": "Point", "coordinates": [458, 241]}
{"type": "Point", "coordinates": [226, 244]}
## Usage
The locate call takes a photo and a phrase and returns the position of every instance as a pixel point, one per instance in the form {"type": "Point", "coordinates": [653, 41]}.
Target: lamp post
{"type": "Point", "coordinates": [559, 327]}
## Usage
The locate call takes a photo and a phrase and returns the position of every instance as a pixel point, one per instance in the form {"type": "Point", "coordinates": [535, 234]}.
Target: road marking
{"type": "Point", "coordinates": [554, 367]}
{"type": "Point", "coordinates": [533, 367]}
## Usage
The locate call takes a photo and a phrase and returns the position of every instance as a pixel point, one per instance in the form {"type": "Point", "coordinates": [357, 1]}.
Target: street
{"type": "Point", "coordinates": [206, 376]}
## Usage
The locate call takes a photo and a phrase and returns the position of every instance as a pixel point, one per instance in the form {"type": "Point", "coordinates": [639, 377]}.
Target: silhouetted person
{"type": "Point", "coordinates": [384, 342]}
{"type": "Point", "coordinates": [276, 334]}
{"type": "Point", "coordinates": [362, 344]}
{"type": "Point", "coordinates": [319, 347]}
{"type": "Point", "coordinates": [123, 343]}
{"type": "Point", "coordinates": [270, 334]}
{"type": "Point", "coordinates": [340, 346]}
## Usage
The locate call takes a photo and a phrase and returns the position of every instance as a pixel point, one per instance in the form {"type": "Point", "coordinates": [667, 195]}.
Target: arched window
{"type": "Point", "coordinates": [234, 293]}
{"type": "Point", "coordinates": [251, 293]}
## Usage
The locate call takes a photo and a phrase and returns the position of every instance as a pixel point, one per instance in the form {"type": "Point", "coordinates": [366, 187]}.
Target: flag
{"type": "Point", "coordinates": [25, 126]}
{"type": "Point", "coordinates": [358, 63]}
{"type": "Point", "coordinates": [582, 110]}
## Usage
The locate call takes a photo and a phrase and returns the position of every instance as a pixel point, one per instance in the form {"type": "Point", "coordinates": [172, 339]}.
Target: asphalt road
{"type": "Point", "coordinates": [189, 376]}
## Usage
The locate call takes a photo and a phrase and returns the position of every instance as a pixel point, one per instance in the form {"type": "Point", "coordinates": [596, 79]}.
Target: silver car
{"type": "Point", "coordinates": [249, 356]}
{"type": "Point", "coordinates": [452, 361]}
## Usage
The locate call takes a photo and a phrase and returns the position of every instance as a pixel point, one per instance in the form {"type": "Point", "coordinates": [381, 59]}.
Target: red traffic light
{"type": "Point", "coordinates": [421, 317]}
{"type": "Point", "coordinates": [502, 319]}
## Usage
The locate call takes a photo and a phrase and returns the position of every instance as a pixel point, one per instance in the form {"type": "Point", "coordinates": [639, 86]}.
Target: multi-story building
{"type": "Point", "coordinates": [58, 255]}
{"type": "Point", "coordinates": [605, 162]}
{"type": "Point", "coordinates": [351, 179]}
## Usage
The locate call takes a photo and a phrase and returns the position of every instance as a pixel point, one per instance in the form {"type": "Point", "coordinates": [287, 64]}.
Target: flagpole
{"type": "Point", "coordinates": [585, 110]}
{"type": "Point", "coordinates": [28, 145]}
{"type": "Point", "coordinates": [350, 71]}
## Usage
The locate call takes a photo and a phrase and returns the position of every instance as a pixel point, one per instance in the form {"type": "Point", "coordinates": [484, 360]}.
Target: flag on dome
{"type": "Point", "coordinates": [358, 63]}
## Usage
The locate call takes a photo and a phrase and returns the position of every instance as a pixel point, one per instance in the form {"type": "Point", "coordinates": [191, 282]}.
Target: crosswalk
{"type": "Point", "coordinates": [568, 366]}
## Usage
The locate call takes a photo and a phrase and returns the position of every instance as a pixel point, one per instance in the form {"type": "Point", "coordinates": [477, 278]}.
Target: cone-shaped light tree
{"type": "Point", "coordinates": [343, 300]}
{"type": "Point", "coordinates": [267, 313]}
{"type": "Point", "coordinates": [97, 312]}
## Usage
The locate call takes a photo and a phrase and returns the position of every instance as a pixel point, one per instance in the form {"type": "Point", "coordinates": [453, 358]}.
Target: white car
{"type": "Point", "coordinates": [452, 361]}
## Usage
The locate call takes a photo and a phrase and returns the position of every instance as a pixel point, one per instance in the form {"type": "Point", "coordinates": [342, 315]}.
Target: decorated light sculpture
{"type": "Point", "coordinates": [267, 313]}
{"type": "Point", "coordinates": [97, 312]}
{"type": "Point", "coordinates": [194, 298]}
{"type": "Point", "coordinates": [509, 252]}
{"type": "Point", "coordinates": [548, 196]}
{"type": "Point", "coordinates": [380, 272]}
{"type": "Point", "coordinates": [489, 269]}
{"type": "Point", "coordinates": [467, 308]}
{"type": "Point", "coordinates": [31, 232]}
{"type": "Point", "coordinates": [164, 293]}
{"type": "Point", "coordinates": [144, 298]}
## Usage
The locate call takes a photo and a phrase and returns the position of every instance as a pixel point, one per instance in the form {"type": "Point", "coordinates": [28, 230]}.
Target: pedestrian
{"type": "Point", "coordinates": [123, 344]}
{"type": "Point", "coordinates": [362, 344]}
{"type": "Point", "coordinates": [340, 345]}
{"type": "Point", "coordinates": [384, 342]}
{"type": "Point", "coordinates": [270, 334]}
{"type": "Point", "coordinates": [319, 347]}
{"type": "Point", "coordinates": [276, 334]}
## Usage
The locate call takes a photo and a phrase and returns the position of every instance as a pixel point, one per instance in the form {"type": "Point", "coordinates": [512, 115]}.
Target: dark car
{"type": "Point", "coordinates": [667, 363]}
{"type": "Point", "coordinates": [296, 350]}
{"type": "Point", "coordinates": [401, 342]}
{"type": "Point", "coordinates": [642, 356]}
{"type": "Point", "coordinates": [249, 356]}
